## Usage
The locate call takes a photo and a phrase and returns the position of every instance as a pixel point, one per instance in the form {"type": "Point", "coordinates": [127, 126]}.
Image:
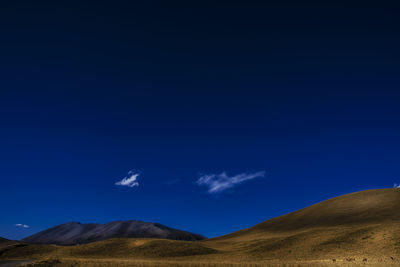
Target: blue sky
{"type": "Point", "coordinates": [218, 115]}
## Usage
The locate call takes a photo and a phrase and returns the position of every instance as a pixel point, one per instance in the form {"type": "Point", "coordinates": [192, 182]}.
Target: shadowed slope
{"type": "Point", "coordinates": [5, 243]}
{"type": "Point", "coordinates": [77, 233]}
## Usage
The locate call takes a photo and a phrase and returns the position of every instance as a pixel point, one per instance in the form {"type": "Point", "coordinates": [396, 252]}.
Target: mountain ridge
{"type": "Point", "coordinates": [72, 233]}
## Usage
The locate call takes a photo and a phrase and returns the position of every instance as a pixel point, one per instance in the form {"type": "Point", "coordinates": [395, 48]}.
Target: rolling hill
{"type": "Point", "coordinates": [365, 207]}
{"type": "Point", "coordinates": [5, 242]}
{"type": "Point", "coordinates": [76, 233]}
{"type": "Point", "coordinates": [362, 225]}
{"type": "Point", "coordinates": [357, 229]}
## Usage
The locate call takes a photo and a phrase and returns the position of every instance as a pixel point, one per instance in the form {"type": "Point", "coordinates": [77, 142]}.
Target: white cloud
{"type": "Point", "coordinates": [130, 180]}
{"type": "Point", "coordinates": [219, 182]}
{"type": "Point", "coordinates": [396, 185]}
{"type": "Point", "coordinates": [21, 225]}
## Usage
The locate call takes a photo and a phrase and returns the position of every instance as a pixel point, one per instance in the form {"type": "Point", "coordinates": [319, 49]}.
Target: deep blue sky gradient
{"type": "Point", "coordinates": [90, 90]}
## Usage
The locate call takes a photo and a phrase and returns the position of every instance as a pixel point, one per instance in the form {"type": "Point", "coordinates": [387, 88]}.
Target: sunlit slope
{"type": "Point", "coordinates": [113, 248]}
{"type": "Point", "coordinates": [365, 207]}
{"type": "Point", "coordinates": [363, 224]}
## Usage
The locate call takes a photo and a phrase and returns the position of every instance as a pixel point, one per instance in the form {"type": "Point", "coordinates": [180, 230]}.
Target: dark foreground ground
{"type": "Point", "coordinates": [12, 263]}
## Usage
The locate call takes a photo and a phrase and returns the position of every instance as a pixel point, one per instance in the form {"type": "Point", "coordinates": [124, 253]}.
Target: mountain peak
{"type": "Point", "coordinates": [77, 233]}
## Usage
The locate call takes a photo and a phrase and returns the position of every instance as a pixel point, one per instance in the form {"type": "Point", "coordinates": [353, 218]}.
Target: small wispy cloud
{"type": "Point", "coordinates": [396, 185]}
{"type": "Point", "coordinates": [21, 225]}
{"type": "Point", "coordinates": [220, 182]}
{"type": "Point", "coordinates": [130, 180]}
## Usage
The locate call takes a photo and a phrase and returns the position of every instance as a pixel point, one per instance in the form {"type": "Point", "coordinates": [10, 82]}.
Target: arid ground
{"type": "Point", "coordinates": [358, 229]}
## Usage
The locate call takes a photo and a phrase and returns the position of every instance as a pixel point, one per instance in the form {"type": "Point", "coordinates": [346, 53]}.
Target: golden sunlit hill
{"type": "Point", "coordinates": [362, 226]}
{"type": "Point", "coordinates": [358, 229]}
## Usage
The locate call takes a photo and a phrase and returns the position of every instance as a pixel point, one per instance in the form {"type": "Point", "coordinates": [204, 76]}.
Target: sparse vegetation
{"type": "Point", "coordinates": [314, 236]}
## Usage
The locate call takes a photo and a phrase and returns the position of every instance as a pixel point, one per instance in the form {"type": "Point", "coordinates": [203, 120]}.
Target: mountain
{"type": "Point", "coordinates": [361, 228]}
{"type": "Point", "coordinates": [77, 233]}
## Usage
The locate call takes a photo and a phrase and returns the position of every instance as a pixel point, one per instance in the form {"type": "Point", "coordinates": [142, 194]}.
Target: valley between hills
{"type": "Point", "coordinates": [357, 229]}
